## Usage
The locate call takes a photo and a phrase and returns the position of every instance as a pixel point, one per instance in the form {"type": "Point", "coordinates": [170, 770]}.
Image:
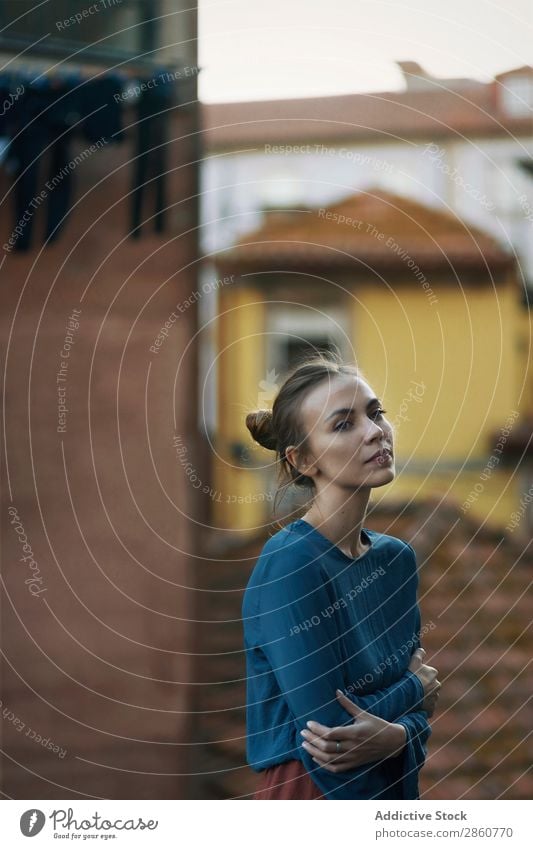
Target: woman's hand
{"type": "Point", "coordinates": [369, 738]}
{"type": "Point", "coordinates": [428, 677]}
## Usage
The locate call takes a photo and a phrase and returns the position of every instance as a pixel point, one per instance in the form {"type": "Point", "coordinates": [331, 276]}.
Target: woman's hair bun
{"type": "Point", "coordinates": [259, 423]}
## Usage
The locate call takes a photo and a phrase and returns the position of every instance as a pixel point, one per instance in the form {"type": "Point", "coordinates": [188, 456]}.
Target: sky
{"type": "Point", "coordinates": [270, 49]}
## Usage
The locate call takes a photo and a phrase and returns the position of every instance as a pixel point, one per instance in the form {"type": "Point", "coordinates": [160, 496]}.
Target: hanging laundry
{"type": "Point", "coordinates": [29, 136]}
{"type": "Point", "coordinates": [40, 116]}
{"type": "Point", "coordinates": [150, 162]}
{"type": "Point", "coordinates": [103, 107]}
{"type": "Point", "coordinates": [46, 117]}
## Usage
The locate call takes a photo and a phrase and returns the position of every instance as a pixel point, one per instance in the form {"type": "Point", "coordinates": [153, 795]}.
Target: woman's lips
{"type": "Point", "coordinates": [381, 459]}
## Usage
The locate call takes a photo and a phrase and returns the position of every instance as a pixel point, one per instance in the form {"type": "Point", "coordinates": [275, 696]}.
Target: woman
{"type": "Point", "coordinates": [338, 695]}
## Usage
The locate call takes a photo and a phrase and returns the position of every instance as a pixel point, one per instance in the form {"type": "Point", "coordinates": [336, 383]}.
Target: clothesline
{"type": "Point", "coordinates": [43, 77]}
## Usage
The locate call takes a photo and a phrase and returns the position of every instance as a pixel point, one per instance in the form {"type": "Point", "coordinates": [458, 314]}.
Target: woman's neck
{"type": "Point", "coordinates": [343, 525]}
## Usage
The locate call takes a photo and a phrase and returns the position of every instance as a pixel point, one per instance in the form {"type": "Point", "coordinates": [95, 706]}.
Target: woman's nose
{"type": "Point", "coordinates": [376, 431]}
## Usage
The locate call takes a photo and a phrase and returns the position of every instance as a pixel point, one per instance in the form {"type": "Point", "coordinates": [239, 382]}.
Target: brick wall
{"type": "Point", "coordinates": [99, 663]}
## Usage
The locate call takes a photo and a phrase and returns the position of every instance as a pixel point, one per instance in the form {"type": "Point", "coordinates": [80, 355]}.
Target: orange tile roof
{"type": "Point", "coordinates": [377, 116]}
{"type": "Point", "coordinates": [373, 226]}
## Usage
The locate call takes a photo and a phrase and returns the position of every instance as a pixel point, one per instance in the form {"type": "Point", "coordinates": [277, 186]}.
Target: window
{"type": "Point", "coordinates": [280, 188]}
{"type": "Point", "coordinates": [295, 332]}
{"type": "Point", "coordinates": [295, 350]}
{"type": "Point", "coordinates": [517, 95]}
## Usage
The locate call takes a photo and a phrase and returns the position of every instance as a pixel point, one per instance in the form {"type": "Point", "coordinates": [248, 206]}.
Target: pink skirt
{"type": "Point", "coordinates": [289, 780]}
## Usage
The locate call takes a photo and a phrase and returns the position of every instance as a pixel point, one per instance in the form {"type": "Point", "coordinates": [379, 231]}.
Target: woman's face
{"type": "Point", "coordinates": [346, 428]}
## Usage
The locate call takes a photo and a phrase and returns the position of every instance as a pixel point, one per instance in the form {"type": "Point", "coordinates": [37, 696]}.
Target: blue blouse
{"type": "Point", "coordinates": [316, 620]}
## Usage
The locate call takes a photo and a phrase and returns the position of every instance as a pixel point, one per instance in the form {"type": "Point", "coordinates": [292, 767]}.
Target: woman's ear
{"type": "Point", "coordinates": [299, 461]}
{"type": "Point", "coordinates": [291, 453]}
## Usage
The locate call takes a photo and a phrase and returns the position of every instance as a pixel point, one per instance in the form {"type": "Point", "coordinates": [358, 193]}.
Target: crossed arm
{"type": "Point", "coordinates": [401, 697]}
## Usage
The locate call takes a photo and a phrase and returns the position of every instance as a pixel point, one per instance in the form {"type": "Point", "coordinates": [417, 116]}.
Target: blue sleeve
{"type": "Point", "coordinates": [406, 694]}
{"type": "Point", "coordinates": [307, 663]}
{"type": "Point", "coordinates": [413, 756]}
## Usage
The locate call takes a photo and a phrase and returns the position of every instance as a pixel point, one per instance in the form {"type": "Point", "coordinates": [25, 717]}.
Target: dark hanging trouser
{"type": "Point", "coordinates": [31, 192]}
{"type": "Point", "coordinates": [30, 138]}
{"type": "Point", "coordinates": [94, 101]}
{"type": "Point", "coordinates": [47, 118]}
{"type": "Point", "coordinates": [60, 193]}
{"type": "Point", "coordinates": [151, 161]}
{"type": "Point", "coordinates": [27, 189]}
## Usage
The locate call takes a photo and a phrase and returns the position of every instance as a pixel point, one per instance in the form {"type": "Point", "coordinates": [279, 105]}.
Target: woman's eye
{"type": "Point", "coordinates": [378, 412]}
{"type": "Point", "coordinates": [340, 425]}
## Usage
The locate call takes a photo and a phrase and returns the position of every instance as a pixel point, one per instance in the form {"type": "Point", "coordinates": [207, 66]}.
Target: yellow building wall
{"type": "Point", "coordinates": [524, 362]}
{"type": "Point", "coordinates": [239, 502]}
{"type": "Point", "coordinates": [448, 376]}
{"type": "Point", "coordinates": [449, 373]}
